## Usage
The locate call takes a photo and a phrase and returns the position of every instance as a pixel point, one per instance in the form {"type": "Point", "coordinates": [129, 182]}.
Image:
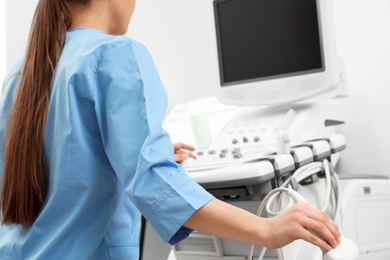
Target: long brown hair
{"type": "Point", "coordinates": [25, 180]}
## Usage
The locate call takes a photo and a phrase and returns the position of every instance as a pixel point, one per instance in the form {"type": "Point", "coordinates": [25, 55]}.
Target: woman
{"type": "Point", "coordinates": [83, 154]}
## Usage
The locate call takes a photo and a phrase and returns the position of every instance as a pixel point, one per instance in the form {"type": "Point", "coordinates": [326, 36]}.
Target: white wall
{"type": "Point", "coordinates": [3, 51]}
{"type": "Point", "coordinates": [18, 26]}
{"type": "Point", "coordinates": [180, 36]}
{"type": "Point", "coordinates": [363, 29]}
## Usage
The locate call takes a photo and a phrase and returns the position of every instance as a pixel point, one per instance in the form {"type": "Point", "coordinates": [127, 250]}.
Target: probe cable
{"type": "Point", "coordinates": [291, 184]}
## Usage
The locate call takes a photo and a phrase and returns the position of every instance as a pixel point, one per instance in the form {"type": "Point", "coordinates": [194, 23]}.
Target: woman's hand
{"type": "Point", "coordinates": [302, 221]}
{"type": "Point", "coordinates": [182, 152]}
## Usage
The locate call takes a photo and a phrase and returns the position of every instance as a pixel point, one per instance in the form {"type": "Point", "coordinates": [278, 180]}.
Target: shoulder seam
{"type": "Point", "coordinates": [123, 40]}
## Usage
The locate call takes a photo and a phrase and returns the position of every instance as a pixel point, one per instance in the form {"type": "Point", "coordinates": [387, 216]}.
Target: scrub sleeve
{"type": "Point", "coordinates": [130, 103]}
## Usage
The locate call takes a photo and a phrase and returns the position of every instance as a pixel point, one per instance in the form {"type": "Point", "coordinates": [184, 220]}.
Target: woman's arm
{"type": "Point", "coordinates": [299, 222]}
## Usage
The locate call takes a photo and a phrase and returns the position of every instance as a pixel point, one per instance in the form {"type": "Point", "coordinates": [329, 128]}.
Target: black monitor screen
{"type": "Point", "coordinates": [263, 39]}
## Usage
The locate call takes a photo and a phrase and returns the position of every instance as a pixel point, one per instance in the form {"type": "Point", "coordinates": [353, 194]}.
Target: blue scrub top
{"type": "Point", "coordinates": [108, 157]}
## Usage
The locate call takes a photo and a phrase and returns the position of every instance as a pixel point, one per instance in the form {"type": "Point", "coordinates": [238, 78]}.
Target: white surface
{"type": "Point", "coordinates": [180, 36]}
{"type": "Point", "coordinates": [365, 213]}
{"type": "Point", "coordinates": [3, 51]}
{"type": "Point", "coordinates": [171, 256]}
{"type": "Point", "coordinates": [19, 17]}
{"type": "Point", "coordinates": [346, 250]}
{"type": "Point", "coordinates": [364, 38]}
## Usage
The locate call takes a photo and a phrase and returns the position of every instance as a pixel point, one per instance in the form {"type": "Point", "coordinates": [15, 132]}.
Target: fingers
{"type": "Point", "coordinates": [303, 221]}
{"type": "Point", "coordinates": [327, 232]}
{"type": "Point", "coordinates": [313, 238]}
{"type": "Point", "coordinates": [179, 146]}
{"type": "Point", "coordinates": [180, 152]}
{"type": "Point", "coordinates": [181, 156]}
{"type": "Point", "coordinates": [320, 229]}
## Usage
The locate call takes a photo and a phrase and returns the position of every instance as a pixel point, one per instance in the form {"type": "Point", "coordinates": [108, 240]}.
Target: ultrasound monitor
{"type": "Point", "coordinates": [274, 52]}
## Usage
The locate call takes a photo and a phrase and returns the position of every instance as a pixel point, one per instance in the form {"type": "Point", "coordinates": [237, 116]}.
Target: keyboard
{"type": "Point", "coordinates": [242, 142]}
{"type": "Point", "coordinates": [222, 157]}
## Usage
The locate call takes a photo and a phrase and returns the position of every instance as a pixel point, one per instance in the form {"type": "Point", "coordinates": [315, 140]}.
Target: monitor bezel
{"type": "Point", "coordinates": [289, 87]}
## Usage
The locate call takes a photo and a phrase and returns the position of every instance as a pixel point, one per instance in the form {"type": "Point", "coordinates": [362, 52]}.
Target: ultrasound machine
{"type": "Point", "coordinates": [270, 137]}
